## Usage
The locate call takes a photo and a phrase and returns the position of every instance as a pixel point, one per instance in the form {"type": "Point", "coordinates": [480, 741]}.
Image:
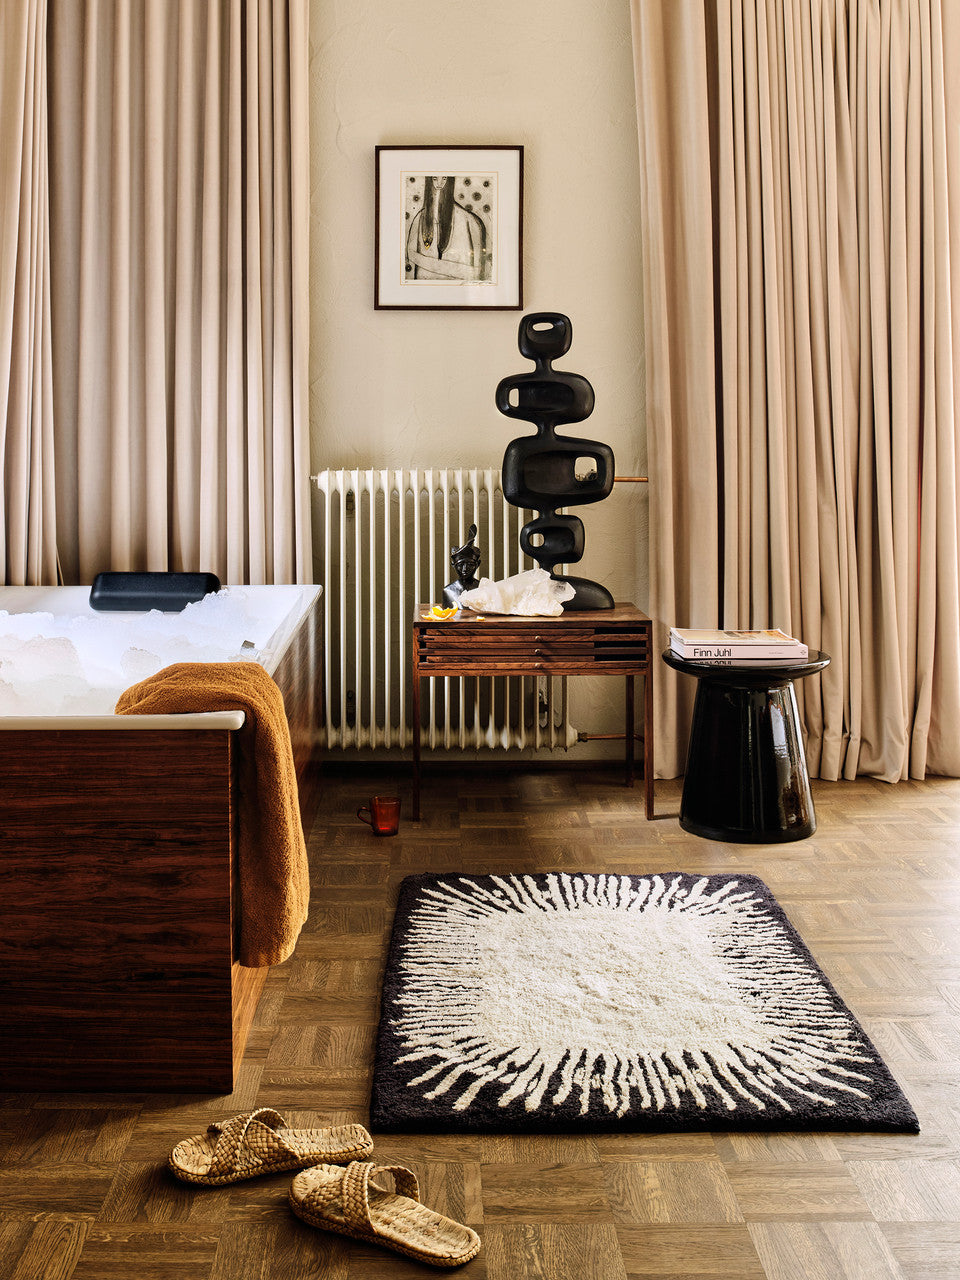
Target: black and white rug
{"type": "Point", "coordinates": [588, 1002]}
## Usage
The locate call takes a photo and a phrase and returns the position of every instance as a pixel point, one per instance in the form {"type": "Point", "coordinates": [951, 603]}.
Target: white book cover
{"type": "Point", "coordinates": [745, 658]}
{"type": "Point", "coordinates": [702, 637]}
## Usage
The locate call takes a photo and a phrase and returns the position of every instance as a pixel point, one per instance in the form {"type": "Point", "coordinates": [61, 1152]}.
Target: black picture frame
{"type": "Point", "coordinates": [449, 228]}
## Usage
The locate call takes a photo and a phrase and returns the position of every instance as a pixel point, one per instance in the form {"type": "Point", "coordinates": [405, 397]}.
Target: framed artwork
{"type": "Point", "coordinates": [449, 228]}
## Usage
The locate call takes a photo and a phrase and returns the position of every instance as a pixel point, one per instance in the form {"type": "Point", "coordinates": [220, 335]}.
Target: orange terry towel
{"type": "Point", "coordinates": [273, 873]}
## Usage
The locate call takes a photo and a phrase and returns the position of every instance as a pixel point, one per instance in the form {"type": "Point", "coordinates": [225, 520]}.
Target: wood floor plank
{"type": "Point", "coordinates": [736, 1148]}
{"type": "Point", "coordinates": [369, 1262]}
{"type": "Point", "coordinates": [51, 1251]}
{"type": "Point", "coordinates": [147, 1192]}
{"type": "Point", "coordinates": [780, 1192]}
{"type": "Point", "coordinates": [657, 1146]}
{"type": "Point", "coordinates": [925, 1251]}
{"type": "Point", "coordinates": [909, 1190]}
{"type": "Point", "coordinates": [721, 1253]}
{"type": "Point", "coordinates": [55, 1186]}
{"type": "Point", "coordinates": [553, 1251]}
{"type": "Point", "coordinates": [451, 1188]}
{"type": "Point", "coordinates": [348, 1045]}
{"type": "Point", "coordinates": [259, 1200]}
{"type": "Point", "coordinates": [98, 1134]}
{"type": "Point", "coordinates": [662, 1191]}
{"type": "Point", "coordinates": [282, 1250]}
{"type": "Point", "coordinates": [325, 1090]}
{"type": "Point", "coordinates": [824, 1251]}
{"type": "Point", "coordinates": [119, 1253]}
{"type": "Point", "coordinates": [15, 1229]}
{"type": "Point", "coordinates": [938, 1139]}
{"type": "Point", "coordinates": [545, 1193]}
{"type": "Point", "coordinates": [538, 1148]}
{"type": "Point", "coordinates": [401, 1148]}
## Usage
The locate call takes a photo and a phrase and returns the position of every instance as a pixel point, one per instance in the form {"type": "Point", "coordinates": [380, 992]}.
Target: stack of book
{"type": "Point", "coordinates": [736, 647]}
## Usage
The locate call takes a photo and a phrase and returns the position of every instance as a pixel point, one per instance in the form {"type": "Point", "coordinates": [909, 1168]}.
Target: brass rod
{"type": "Point", "coordinates": [630, 480]}
{"type": "Point", "coordinates": [605, 737]}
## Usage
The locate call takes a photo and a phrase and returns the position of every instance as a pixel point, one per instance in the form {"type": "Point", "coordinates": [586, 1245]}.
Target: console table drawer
{"type": "Point", "coordinates": [612, 659]}
{"type": "Point", "coordinates": [608, 647]}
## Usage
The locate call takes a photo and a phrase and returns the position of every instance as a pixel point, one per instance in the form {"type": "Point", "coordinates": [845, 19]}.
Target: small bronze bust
{"type": "Point", "coordinates": [466, 561]}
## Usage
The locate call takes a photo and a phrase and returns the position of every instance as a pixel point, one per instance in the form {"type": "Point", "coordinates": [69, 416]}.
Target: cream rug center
{"type": "Point", "coordinates": [609, 975]}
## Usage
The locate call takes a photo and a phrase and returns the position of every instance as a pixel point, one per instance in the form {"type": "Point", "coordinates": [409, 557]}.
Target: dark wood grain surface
{"type": "Point", "coordinates": [115, 908]}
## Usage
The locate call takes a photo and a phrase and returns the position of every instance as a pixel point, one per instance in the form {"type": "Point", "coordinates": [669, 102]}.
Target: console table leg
{"type": "Point", "coordinates": [629, 731]}
{"type": "Point", "coordinates": [648, 741]}
{"type": "Point", "coordinates": [416, 747]}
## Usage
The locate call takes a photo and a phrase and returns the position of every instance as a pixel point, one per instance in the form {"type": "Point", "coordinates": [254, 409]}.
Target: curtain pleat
{"type": "Point", "coordinates": [676, 239]}
{"type": "Point", "coordinates": [235, 397]}
{"type": "Point", "coordinates": [27, 530]}
{"type": "Point", "coordinates": [832, 207]}
{"type": "Point", "coordinates": [186, 332]}
{"type": "Point", "coordinates": [211, 433]}
{"type": "Point", "coordinates": [935, 745]}
{"type": "Point", "coordinates": [298, 556]}
{"type": "Point", "coordinates": [155, 299]}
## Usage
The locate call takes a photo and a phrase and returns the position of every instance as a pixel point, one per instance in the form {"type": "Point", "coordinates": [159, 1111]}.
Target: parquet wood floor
{"type": "Point", "coordinates": [875, 893]}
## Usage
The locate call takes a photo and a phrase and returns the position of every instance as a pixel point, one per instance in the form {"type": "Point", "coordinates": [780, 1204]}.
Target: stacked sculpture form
{"type": "Point", "coordinates": [540, 471]}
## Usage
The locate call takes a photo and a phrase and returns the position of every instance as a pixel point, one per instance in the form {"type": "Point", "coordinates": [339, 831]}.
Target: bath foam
{"type": "Point", "coordinates": [79, 664]}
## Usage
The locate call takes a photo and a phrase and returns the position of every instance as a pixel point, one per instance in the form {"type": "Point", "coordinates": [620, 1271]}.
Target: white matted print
{"type": "Point", "coordinates": [449, 227]}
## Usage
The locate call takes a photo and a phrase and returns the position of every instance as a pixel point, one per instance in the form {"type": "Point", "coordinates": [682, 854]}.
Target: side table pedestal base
{"type": "Point", "coordinates": [746, 778]}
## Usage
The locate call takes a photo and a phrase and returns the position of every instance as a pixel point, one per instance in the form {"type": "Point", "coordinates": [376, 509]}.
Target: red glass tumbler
{"type": "Point", "coordinates": [382, 814]}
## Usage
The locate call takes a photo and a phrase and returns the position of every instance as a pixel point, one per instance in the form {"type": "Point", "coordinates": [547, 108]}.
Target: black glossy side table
{"type": "Point", "coordinates": [746, 777]}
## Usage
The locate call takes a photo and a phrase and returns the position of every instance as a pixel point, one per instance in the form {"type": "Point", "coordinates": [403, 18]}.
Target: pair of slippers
{"type": "Point", "coordinates": [335, 1191]}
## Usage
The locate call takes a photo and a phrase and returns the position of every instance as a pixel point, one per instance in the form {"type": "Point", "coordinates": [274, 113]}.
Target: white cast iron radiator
{"type": "Point", "coordinates": [387, 537]}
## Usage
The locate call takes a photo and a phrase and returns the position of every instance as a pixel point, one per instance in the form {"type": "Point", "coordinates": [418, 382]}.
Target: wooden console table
{"type": "Point", "coordinates": [612, 642]}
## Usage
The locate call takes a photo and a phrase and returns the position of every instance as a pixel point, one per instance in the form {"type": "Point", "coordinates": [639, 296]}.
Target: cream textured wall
{"type": "Point", "coordinates": [406, 388]}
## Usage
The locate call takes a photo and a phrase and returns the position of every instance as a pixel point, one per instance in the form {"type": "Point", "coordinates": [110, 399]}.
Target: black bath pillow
{"type": "Point", "coordinates": [169, 592]}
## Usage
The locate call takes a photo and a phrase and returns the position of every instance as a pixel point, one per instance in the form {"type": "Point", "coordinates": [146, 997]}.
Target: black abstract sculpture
{"type": "Point", "coordinates": [466, 561]}
{"type": "Point", "coordinates": [542, 471]}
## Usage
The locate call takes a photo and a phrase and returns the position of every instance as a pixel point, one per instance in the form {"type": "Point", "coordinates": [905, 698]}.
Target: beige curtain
{"type": "Point", "coordinates": [801, 237]}
{"type": "Point", "coordinates": [27, 529]}
{"type": "Point", "coordinates": [179, 229]}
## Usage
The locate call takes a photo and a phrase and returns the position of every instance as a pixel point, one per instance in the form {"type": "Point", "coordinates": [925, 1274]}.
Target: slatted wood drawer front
{"type": "Point", "coordinates": [513, 648]}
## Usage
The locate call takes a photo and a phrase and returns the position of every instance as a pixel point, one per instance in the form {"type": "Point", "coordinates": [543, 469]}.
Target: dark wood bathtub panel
{"type": "Point", "coordinates": [299, 675]}
{"type": "Point", "coordinates": [107, 1047]}
{"type": "Point", "coordinates": [115, 916]}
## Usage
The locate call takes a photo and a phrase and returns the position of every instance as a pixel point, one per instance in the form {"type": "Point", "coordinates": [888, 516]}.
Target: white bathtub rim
{"type": "Point", "coordinates": [186, 720]}
{"type": "Point", "coordinates": [275, 648]}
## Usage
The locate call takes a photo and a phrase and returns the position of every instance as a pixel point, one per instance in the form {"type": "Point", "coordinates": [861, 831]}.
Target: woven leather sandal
{"type": "Point", "coordinates": [259, 1142]}
{"type": "Point", "coordinates": [349, 1202]}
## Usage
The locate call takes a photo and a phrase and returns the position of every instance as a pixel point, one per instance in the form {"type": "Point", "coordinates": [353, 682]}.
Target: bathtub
{"type": "Point", "coordinates": [118, 871]}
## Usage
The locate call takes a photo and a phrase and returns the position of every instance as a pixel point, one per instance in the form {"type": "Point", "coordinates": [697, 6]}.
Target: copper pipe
{"type": "Point", "coordinates": [605, 737]}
